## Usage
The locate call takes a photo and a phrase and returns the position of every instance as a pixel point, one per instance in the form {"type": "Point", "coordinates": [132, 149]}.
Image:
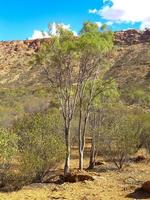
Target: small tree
{"type": "Point", "coordinates": [94, 45]}
{"type": "Point", "coordinates": [60, 63]}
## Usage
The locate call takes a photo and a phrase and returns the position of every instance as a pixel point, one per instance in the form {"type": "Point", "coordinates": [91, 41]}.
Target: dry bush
{"type": "Point", "coordinates": [8, 150]}
{"type": "Point", "coordinates": [40, 144]}
{"type": "Point", "coordinates": [119, 137]}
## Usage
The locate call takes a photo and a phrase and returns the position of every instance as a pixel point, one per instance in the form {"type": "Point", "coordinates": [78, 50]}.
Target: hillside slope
{"type": "Point", "coordinates": [22, 89]}
{"type": "Point", "coordinates": [131, 59]}
{"type": "Point", "coordinates": [131, 70]}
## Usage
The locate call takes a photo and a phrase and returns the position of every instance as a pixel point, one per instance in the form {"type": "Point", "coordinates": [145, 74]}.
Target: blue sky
{"type": "Point", "coordinates": [19, 19]}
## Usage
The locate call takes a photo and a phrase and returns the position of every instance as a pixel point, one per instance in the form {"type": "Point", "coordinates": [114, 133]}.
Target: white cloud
{"type": "Point", "coordinates": [53, 27]}
{"type": "Point", "coordinates": [109, 23]}
{"type": "Point", "coordinates": [93, 11]}
{"type": "Point", "coordinates": [126, 11]}
{"type": "Point", "coordinates": [39, 35]}
{"type": "Point", "coordinates": [75, 33]}
{"type": "Point", "coordinates": [53, 31]}
{"type": "Point", "coordinates": [145, 24]}
{"type": "Point", "coordinates": [99, 24]}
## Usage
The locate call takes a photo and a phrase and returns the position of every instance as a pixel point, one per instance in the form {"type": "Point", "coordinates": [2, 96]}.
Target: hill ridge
{"type": "Point", "coordinates": [127, 37]}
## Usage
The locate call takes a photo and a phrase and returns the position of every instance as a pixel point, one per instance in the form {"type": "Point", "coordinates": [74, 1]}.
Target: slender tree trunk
{"type": "Point", "coordinates": [80, 135]}
{"type": "Point", "coordinates": [68, 150]}
{"type": "Point", "coordinates": [82, 152]}
{"type": "Point", "coordinates": [93, 154]}
{"type": "Point", "coordinates": [83, 119]}
{"type": "Point", "coordinates": [80, 147]}
{"type": "Point", "coordinates": [80, 142]}
{"type": "Point", "coordinates": [81, 159]}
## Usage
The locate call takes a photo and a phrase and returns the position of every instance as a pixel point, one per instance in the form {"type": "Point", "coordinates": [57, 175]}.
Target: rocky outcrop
{"type": "Point", "coordinates": [21, 45]}
{"type": "Point", "coordinates": [132, 36]}
{"type": "Point", "coordinates": [146, 186]}
{"type": "Point", "coordinates": [127, 37]}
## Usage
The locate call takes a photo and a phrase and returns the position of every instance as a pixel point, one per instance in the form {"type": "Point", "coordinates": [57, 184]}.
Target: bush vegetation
{"type": "Point", "coordinates": [36, 145]}
{"type": "Point", "coordinates": [119, 136]}
{"type": "Point", "coordinates": [8, 151]}
{"type": "Point", "coordinates": [40, 143]}
{"type": "Point", "coordinates": [79, 102]}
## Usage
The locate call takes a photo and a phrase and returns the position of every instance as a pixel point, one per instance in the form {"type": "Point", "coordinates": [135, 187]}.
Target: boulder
{"type": "Point", "coordinates": [139, 158]}
{"type": "Point", "coordinates": [98, 163]}
{"type": "Point", "coordinates": [146, 186]}
{"type": "Point", "coordinates": [76, 177]}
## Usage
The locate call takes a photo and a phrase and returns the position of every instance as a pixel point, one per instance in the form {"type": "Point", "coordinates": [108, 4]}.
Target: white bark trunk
{"type": "Point", "coordinates": [81, 159]}
{"type": "Point", "coordinates": [93, 154]}
{"type": "Point", "coordinates": [68, 151]}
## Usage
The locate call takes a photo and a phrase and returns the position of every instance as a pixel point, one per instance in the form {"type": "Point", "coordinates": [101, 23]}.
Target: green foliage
{"type": "Point", "coordinates": [15, 102]}
{"type": "Point", "coordinates": [40, 144]}
{"type": "Point", "coordinates": [62, 44]}
{"type": "Point", "coordinates": [93, 40]}
{"type": "Point", "coordinates": [137, 95]}
{"type": "Point", "coordinates": [144, 125]}
{"type": "Point", "coordinates": [8, 150]}
{"type": "Point", "coordinates": [65, 44]}
{"type": "Point", "coordinates": [119, 136]}
{"type": "Point", "coordinates": [70, 63]}
{"type": "Point", "coordinates": [89, 27]}
{"type": "Point", "coordinates": [107, 93]}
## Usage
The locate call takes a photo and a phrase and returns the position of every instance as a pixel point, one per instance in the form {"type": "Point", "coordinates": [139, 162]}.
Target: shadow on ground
{"type": "Point", "coordinates": [139, 194]}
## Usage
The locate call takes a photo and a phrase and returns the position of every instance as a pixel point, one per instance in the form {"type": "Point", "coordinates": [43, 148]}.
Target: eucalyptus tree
{"type": "Point", "coordinates": [59, 59]}
{"type": "Point", "coordinates": [69, 63]}
{"type": "Point", "coordinates": [95, 45]}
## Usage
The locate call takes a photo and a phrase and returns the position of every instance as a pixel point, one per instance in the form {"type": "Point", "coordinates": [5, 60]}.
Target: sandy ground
{"type": "Point", "coordinates": [109, 184]}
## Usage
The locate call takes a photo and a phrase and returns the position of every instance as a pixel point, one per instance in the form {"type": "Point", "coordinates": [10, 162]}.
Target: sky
{"type": "Point", "coordinates": [25, 19]}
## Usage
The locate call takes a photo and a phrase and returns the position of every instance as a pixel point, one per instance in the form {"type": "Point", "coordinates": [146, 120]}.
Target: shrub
{"type": "Point", "coordinates": [40, 144]}
{"type": "Point", "coordinates": [144, 123]}
{"type": "Point", "coordinates": [137, 95]}
{"type": "Point", "coordinates": [119, 138]}
{"type": "Point", "coordinates": [8, 149]}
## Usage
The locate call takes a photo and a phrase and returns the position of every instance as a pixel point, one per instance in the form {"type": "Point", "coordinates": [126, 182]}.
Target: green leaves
{"type": "Point", "coordinates": [89, 27]}
{"type": "Point", "coordinates": [40, 143]}
{"type": "Point", "coordinates": [8, 146]}
{"type": "Point", "coordinates": [92, 39]}
{"type": "Point", "coordinates": [119, 135]}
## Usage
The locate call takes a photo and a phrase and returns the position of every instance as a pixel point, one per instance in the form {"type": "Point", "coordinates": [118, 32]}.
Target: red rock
{"type": "Point", "coordinates": [139, 158]}
{"type": "Point", "coordinates": [132, 37]}
{"type": "Point", "coordinates": [75, 177]}
{"type": "Point", "coordinates": [146, 186]}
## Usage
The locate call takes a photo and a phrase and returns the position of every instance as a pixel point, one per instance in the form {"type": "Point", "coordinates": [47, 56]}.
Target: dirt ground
{"type": "Point", "coordinates": [109, 184]}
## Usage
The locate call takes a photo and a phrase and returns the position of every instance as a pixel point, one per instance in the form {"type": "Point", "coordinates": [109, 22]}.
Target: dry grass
{"type": "Point", "coordinates": [112, 185]}
{"type": "Point", "coordinates": [109, 184]}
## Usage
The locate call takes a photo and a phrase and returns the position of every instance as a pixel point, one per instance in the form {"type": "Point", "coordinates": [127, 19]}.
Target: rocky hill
{"type": "Point", "coordinates": [21, 87]}
{"type": "Point", "coordinates": [132, 36]}
{"type": "Point", "coordinates": [132, 47]}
